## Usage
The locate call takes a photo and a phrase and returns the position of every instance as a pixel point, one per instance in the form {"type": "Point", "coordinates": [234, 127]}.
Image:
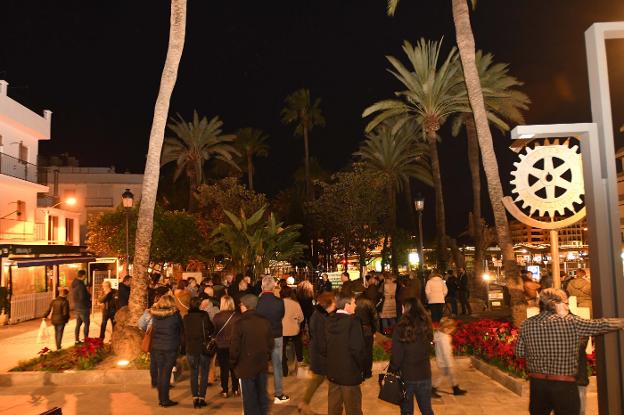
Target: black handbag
{"type": "Point", "coordinates": [391, 388]}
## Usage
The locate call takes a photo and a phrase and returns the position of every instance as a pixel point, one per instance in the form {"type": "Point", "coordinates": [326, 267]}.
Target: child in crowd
{"type": "Point", "coordinates": [443, 338]}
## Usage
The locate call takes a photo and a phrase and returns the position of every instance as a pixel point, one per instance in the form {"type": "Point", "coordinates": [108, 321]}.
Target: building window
{"type": "Point", "coordinates": [52, 229]}
{"type": "Point", "coordinates": [21, 210]}
{"type": "Point", "coordinates": [69, 231]}
{"type": "Point", "coordinates": [23, 152]}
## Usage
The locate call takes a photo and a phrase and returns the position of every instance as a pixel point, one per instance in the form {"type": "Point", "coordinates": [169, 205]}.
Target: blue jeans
{"type": "Point", "coordinates": [255, 395]}
{"type": "Point", "coordinates": [276, 361]}
{"type": "Point", "coordinates": [165, 361]}
{"type": "Point", "coordinates": [82, 316]}
{"type": "Point", "coordinates": [199, 369]}
{"type": "Point", "coordinates": [421, 390]}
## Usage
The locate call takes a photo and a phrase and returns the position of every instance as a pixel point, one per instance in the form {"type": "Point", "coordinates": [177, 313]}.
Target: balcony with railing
{"type": "Point", "coordinates": [21, 230]}
{"type": "Point", "coordinates": [17, 168]}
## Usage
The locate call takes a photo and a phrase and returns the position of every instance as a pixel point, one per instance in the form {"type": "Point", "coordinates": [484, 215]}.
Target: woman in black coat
{"type": "Point", "coordinates": [326, 304]}
{"type": "Point", "coordinates": [166, 337]}
{"type": "Point", "coordinates": [411, 343]}
{"type": "Point", "coordinates": [197, 331]}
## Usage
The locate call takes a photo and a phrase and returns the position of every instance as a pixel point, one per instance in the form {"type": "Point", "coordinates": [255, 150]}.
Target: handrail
{"type": "Point", "coordinates": [17, 168]}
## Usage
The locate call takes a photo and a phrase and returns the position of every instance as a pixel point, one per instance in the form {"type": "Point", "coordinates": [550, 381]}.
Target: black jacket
{"type": "Point", "coordinates": [109, 301]}
{"type": "Point", "coordinates": [251, 345]}
{"type": "Point", "coordinates": [462, 280]}
{"type": "Point", "coordinates": [324, 286]}
{"type": "Point", "coordinates": [167, 329]}
{"type": "Point", "coordinates": [411, 359]}
{"type": "Point", "coordinates": [272, 308]}
{"type": "Point", "coordinates": [124, 295]}
{"type": "Point", "coordinates": [318, 348]}
{"type": "Point", "coordinates": [452, 283]}
{"type": "Point", "coordinates": [367, 314]}
{"type": "Point", "coordinates": [197, 331]}
{"type": "Point", "coordinates": [373, 294]}
{"type": "Point", "coordinates": [60, 311]}
{"type": "Point", "coordinates": [220, 320]}
{"type": "Point", "coordinates": [345, 350]}
{"type": "Point", "coordinates": [80, 295]}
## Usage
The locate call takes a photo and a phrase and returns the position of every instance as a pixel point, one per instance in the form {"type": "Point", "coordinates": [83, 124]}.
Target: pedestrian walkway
{"type": "Point", "coordinates": [484, 397]}
{"type": "Point", "coordinates": [19, 342]}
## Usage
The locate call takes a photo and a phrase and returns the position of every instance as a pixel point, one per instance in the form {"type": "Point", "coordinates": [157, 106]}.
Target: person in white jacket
{"type": "Point", "coordinates": [443, 339]}
{"type": "Point", "coordinates": [291, 325]}
{"type": "Point", "coordinates": [436, 292]}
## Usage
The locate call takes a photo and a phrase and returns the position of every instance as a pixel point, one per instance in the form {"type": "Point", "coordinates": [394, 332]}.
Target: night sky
{"type": "Point", "coordinates": [97, 66]}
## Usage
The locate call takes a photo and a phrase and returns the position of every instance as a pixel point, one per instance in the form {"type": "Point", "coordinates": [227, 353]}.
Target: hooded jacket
{"type": "Point", "coordinates": [345, 350]}
{"type": "Point", "coordinates": [167, 329]}
{"type": "Point", "coordinates": [318, 346]}
{"type": "Point", "coordinates": [251, 345]}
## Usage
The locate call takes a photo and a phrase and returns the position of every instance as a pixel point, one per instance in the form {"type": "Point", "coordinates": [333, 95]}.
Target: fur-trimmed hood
{"type": "Point", "coordinates": [163, 312]}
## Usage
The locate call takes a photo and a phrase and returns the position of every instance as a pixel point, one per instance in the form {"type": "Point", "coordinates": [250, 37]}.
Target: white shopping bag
{"type": "Point", "coordinates": [44, 334]}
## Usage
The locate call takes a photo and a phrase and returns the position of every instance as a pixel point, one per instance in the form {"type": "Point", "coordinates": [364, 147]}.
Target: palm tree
{"type": "Point", "coordinates": [192, 145]}
{"type": "Point", "coordinates": [251, 143]}
{"type": "Point", "coordinates": [138, 293]}
{"type": "Point", "coordinates": [434, 92]}
{"type": "Point", "coordinates": [398, 157]}
{"type": "Point", "coordinates": [300, 110]}
{"type": "Point", "coordinates": [504, 106]}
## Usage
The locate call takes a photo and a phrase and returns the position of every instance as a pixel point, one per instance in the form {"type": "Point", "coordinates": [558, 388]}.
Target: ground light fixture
{"type": "Point", "coordinates": [123, 363]}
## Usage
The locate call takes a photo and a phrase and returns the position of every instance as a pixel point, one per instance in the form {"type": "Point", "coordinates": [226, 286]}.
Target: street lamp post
{"type": "Point", "coordinates": [419, 205]}
{"type": "Point", "coordinates": [128, 200]}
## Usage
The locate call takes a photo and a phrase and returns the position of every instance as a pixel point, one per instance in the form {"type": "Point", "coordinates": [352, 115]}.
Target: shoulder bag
{"type": "Point", "coordinates": [210, 343]}
{"type": "Point", "coordinates": [391, 388]}
{"type": "Point", "coordinates": [146, 344]}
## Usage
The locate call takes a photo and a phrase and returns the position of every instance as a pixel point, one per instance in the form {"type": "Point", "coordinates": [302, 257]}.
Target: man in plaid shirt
{"type": "Point", "coordinates": [550, 342]}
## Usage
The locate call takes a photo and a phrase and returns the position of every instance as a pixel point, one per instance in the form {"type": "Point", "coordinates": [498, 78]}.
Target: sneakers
{"type": "Point", "coordinates": [224, 394]}
{"type": "Point", "coordinates": [281, 399]}
{"type": "Point", "coordinates": [236, 392]}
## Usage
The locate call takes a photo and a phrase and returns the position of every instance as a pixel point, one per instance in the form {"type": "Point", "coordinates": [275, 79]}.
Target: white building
{"type": "Point", "coordinates": [96, 189]}
{"type": "Point", "coordinates": [39, 246]}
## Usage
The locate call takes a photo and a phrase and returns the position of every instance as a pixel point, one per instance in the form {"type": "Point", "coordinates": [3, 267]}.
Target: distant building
{"type": "Point", "coordinates": [96, 189]}
{"type": "Point", "coordinates": [572, 236]}
{"type": "Point", "coordinates": [40, 247]}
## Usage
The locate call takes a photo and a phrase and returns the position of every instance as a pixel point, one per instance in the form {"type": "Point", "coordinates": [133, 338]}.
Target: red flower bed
{"type": "Point", "coordinates": [492, 341]}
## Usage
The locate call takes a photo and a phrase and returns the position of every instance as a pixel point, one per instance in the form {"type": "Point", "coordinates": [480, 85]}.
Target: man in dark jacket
{"type": "Point", "coordinates": [345, 354]}
{"type": "Point", "coordinates": [326, 304]}
{"type": "Point", "coordinates": [464, 291]}
{"type": "Point", "coordinates": [250, 349]}
{"type": "Point", "coordinates": [324, 284]}
{"type": "Point", "coordinates": [367, 315]}
{"type": "Point", "coordinates": [272, 308]}
{"type": "Point", "coordinates": [82, 304]}
{"type": "Point", "coordinates": [452, 284]}
{"type": "Point", "coordinates": [124, 291]}
{"type": "Point", "coordinates": [59, 307]}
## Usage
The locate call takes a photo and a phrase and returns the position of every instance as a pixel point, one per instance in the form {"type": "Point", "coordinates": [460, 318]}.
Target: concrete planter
{"type": "Point", "coordinates": [518, 386]}
{"type": "Point", "coordinates": [82, 377]}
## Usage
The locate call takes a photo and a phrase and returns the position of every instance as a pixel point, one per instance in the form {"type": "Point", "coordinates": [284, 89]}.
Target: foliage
{"type": "Point", "coordinates": [226, 194]}
{"type": "Point", "coordinates": [382, 354]}
{"type": "Point", "coordinates": [194, 143]}
{"type": "Point", "coordinates": [175, 237]}
{"type": "Point", "coordinates": [250, 143]}
{"type": "Point", "coordinates": [351, 211]}
{"type": "Point", "coordinates": [251, 242]}
{"type": "Point", "coordinates": [80, 357]}
{"type": "Point", "coordinates": [302, 112]}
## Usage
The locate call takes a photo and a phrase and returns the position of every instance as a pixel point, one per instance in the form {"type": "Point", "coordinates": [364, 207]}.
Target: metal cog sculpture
{"type": "Point", "coordinates": [539, 180]}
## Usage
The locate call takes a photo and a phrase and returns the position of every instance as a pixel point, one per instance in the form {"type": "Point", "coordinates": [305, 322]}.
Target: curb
{"type": "Point", "coordinates": [518, 386]}
{"type": "Point", "coordinates": [82, 377]}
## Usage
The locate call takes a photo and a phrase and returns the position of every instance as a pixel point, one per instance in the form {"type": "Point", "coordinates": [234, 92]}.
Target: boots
{"type": "Point", "coordinates": [457, 391]}
{"type": "Point", "coordinates": [434, 393]}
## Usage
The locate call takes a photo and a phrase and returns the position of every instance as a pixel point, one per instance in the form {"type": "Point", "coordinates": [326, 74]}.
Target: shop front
{"type": "Point", "coordinates": [31, 276]}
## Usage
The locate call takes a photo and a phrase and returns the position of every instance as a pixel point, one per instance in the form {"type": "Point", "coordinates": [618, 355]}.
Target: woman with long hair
{"type": "Point", "coordinates": [411, 344]}
{"type": "Point", "coordinates": [197, 331]}
{"type": "Point", "coordinates": [166, 338]}
{"type": "Point", "coordinates": [305, 296]}
{"type": "Point", "coordinates": [224, 322]}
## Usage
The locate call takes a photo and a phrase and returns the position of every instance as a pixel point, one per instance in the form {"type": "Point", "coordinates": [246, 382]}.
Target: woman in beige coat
{"type": "Point", "coordinates": [291, 325]}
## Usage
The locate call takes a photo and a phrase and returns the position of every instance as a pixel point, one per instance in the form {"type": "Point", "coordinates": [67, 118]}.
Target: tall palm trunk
{"type": "Point", "coordinates": [441, 242]}
{"type": "Point", "coordinates": [250, 171]}
{"type": "Point", "coordinates": [476, 225]}
{"type": "Point", "coordinates": [466, 45]}
{"type": "Point", "coordinates": [308, 183]}
{"type": "Point", "coordinates": [138, 293]}
{"type": "Point", "coordinates": [193, 184]}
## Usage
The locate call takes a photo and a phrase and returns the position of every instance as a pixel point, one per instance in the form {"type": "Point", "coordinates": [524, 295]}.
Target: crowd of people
{"type": "Point", "coordinates": [245, 328]}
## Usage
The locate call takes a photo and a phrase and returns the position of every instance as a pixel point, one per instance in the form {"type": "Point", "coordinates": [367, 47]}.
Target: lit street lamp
{"type": "Point", "coordinates": [127, 199]}
{"type": "Point", "coordinates": [49, 231]}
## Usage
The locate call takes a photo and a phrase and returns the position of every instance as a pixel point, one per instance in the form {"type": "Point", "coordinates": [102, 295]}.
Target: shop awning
{"type": "Point", "coordinates": [36, 262]}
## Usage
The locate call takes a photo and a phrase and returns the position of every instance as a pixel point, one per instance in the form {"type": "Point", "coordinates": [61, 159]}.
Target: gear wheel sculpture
{"type": "Point", "coordinates": [549, 179]}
